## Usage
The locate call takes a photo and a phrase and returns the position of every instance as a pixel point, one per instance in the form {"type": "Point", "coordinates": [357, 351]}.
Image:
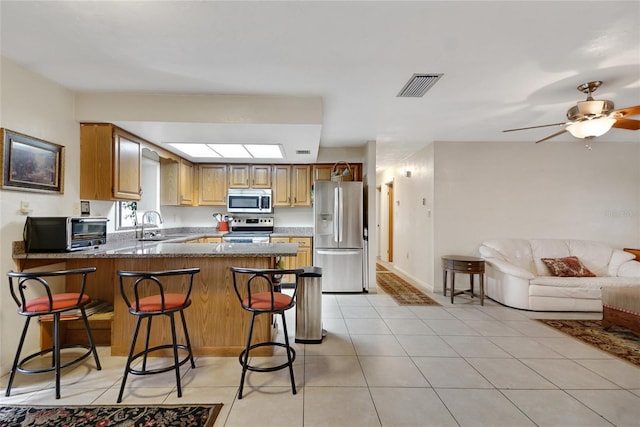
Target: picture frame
{"type": "Point", "coordinates": [31, 164]}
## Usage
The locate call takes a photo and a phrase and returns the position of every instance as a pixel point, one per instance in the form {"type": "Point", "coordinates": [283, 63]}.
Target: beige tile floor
{"type": "Point", "coordinates": [387, 365]}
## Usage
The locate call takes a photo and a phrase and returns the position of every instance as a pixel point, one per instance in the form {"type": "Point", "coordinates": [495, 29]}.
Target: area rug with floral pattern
{"type": "Point", "coordinates": [130, 416]}
{"type": "Point", "coordinates": [617, 341]}
{"type": "Point", "coordinates": [399, 289]}
{"type": "Point", "coordinates": [380, 267]}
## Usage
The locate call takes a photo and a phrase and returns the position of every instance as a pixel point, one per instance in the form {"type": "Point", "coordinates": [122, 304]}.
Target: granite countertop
{"type": "Point", "coordinates": [292, 232]}
{"type": "Point", "coordinates": [167, 248]}
{"type": "Point", "coordinates": [181, 249]}
{"type": "Point", "coordinates": [173, 243]}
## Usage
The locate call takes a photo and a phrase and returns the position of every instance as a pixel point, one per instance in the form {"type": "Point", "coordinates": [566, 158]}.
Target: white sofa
{"type": "Point", "coordinates": [516, 276]}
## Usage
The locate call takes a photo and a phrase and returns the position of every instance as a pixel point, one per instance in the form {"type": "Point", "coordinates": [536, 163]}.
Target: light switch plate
{"type": "Point", "coordinates": [25, 207]}
{"type": "Point", "coordinates": [85, 208]}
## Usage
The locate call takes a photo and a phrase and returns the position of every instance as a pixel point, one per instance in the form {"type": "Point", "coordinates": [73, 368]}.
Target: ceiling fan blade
{"type": "Point", "coordinates": [535, 127]}
{"type": "Point", "coordinates": [624, 112]}
{"type": "Point", "coordinates": [629, 124]}
{"type": "Point", "coordinates": [552, 136]}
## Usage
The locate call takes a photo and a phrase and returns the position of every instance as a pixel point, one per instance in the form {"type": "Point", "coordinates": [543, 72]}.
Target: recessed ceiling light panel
{"type": "Point", "coordinates": [234, 151]}
{"type": "Point", "coordinates": [196, 150]}
{"type": "Point", "coordinates": [264, 151]}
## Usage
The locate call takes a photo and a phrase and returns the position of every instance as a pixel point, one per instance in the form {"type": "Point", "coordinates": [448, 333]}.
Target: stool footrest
{"type": "Point", "coordinates": [172, 367]}
{"type": "Point", "coordinates": [23, 370]}
{"type": "Point", "coordinates": [291, 351]}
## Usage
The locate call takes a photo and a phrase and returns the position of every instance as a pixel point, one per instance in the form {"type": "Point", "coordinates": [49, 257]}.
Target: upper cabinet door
{"type": "Point", "coordinates": [323, 171]}
{"type": "Point", "coordinates": [281, 178]}
{"type": "Point", "coordinates": [126, 169]}
{"type": "Point", "coordinates": [176, 182]}
{"type": "Point", "coordinates": [213, 185]}
{"type": "Point", "coordinates": [260, 176]}
{"type": "Point", "coordinates": [110, 163]}
{"type": "Point", "coordinates": [186, 183]}
{"type": "Point", "coordinates": [249, 176]}
{"type": "Point", "coordinates": [301, 186]}
{"type": "Point", "coordinates": [238, 176]}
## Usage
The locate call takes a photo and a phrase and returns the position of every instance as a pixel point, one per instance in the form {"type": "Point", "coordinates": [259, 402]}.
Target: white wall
{"type": "Point", "coordinates": [37, 107]}
{"type": "Point", "coordinates": [413, 216]}
{"type": "Point", "coordinates": [488, 190]}
{"type": "Point", "coordinates": [484, 190]}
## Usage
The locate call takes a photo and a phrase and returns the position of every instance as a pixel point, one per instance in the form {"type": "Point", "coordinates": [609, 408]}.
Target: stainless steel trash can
{"type": "Point", "coordinates": [309, 307]}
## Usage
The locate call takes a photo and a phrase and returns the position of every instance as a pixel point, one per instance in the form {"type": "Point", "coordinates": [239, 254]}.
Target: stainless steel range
{"type": "Point", "coordinates": [249, 229]}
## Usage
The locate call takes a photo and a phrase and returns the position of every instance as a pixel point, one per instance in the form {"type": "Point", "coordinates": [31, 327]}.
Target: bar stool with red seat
{"type": "Point", "coordinates": [22, 285]}
{"type": "Point", "coordinates": [146, 297]}
{"type": "Point", "coordinates": [258, 294]}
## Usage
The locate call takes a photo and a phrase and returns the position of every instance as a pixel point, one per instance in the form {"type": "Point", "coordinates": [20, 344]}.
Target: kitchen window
{"type": "Point", "coordinates": [126, 215]}
{"type": "Point", "coordinates": [150, 197]}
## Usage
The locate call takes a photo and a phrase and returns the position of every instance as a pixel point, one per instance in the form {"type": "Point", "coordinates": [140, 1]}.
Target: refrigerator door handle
{"type": "Point", "coordinates": [341, 213]}
{"type": "Point", "coordinates": [336, 218]}
{"type": "Point", "coordinates": [334, 252]}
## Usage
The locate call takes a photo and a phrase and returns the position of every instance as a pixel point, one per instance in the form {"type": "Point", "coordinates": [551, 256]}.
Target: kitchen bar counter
{"type": "Point", "coordinates": [217, 325]}
{"type": "Point", "coordinates": [173, 248]}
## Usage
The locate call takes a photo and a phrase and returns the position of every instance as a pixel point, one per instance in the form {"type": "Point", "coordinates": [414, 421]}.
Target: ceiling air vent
{"type": "Point", "coordinates": [418, 85]}
{"type": "Point", "coordinates": [303, 152]}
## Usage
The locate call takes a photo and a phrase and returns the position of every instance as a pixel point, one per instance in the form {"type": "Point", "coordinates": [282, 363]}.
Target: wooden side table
{"type": "Point", "coordinates": [462, 264]}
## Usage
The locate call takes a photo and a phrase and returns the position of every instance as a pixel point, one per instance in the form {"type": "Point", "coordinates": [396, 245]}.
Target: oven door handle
{"type": "Point", "coordinates": [91, 219]}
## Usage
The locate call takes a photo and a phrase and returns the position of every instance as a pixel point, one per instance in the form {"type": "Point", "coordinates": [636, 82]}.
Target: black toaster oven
{"type": "Point", "coordinates": [63, 233]}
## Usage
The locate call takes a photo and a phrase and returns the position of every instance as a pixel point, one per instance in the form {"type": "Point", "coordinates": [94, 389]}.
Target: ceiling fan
{"type": "Point", "coordinates": [591, 118]}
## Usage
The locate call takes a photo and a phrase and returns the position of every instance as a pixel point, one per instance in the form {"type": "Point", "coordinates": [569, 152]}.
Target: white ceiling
{"type": "Point", "coordinates": [505, 64]}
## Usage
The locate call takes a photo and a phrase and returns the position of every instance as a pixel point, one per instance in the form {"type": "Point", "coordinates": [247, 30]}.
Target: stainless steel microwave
{"type": "Point", "coordinates": [249, 201]}
{"type": "Point", "coordinates": [63, 233]}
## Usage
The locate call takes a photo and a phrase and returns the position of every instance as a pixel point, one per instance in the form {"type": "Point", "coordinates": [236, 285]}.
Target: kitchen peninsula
{"type": "Point", "coordinates": [217, 325]}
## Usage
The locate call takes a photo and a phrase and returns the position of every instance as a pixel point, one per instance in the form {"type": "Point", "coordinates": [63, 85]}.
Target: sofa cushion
{"type": "Point", "coordinates": [567, 267]}
{"type": "Point", "coordinates": [630, 269]}
{"type": "Point", "coordinates": [515, 251]}
{"type": "Point", "coordinates": [547, 248]}
{"type": "Point", "coordinates": [575, 287]}
{"type": "Point", "coordinates": [594, 255]}
{"type": "Point", "coordinates": [618, 257]}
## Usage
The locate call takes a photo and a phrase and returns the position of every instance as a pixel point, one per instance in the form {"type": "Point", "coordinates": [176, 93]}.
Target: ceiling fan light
{"type": "Point", "coordinates": [591, 128]}
{"type": "Point", "coordinates": [588, 108]}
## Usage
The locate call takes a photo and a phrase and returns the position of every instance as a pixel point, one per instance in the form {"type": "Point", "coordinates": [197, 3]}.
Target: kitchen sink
{"type": "Point", "coordinates": [161, 237]}
{"type": "Point", "coordinates": [152, 239]}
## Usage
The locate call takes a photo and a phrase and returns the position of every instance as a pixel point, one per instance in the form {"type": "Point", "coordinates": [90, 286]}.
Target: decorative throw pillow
{"type": "Point", "coordinates": [567, 267]}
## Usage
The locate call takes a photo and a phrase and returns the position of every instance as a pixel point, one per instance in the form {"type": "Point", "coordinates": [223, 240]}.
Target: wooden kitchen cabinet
{"type": "Point", "coordinates": [211, 239]}
{"type": "Point", "coordinates": [186, 183]}
{"type": "Point", "coordinates": [212, 185]}
{"type": "Point", "coordinates": [301, 186]}
{"type": "Point", "coordinates": [249, 176]}
{"type": "Point", "coordinates": [303, 257]}
{"type": "Point", "coordinates": [260, 176]}
{"type": "Point", "coordinates": [291, 186]}
{"type": "Point", "coordinates": [110, 163]}
{"type": "Point", "coordinates": [194, 241]}
{"type": "Point", "coordinates": [281, 175]}
{"type": "Point", "coordinates": [238, 176]}
{"type": "Point", "coordinates": [176, 182]}
{"type": "Point", "coordinates": [322, 171]}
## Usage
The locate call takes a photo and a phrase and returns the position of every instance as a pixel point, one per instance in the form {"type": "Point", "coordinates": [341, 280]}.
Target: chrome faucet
{"type": "Point", "coordinates": [150, 217]}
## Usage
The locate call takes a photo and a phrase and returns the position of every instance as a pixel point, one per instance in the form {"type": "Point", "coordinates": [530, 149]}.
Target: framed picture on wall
{"type": "Point", "coordinates": [31, 164]}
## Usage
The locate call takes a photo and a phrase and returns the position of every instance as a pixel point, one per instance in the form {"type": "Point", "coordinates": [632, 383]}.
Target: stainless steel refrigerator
{"type": "Point", "coordinates": [338, 241]}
